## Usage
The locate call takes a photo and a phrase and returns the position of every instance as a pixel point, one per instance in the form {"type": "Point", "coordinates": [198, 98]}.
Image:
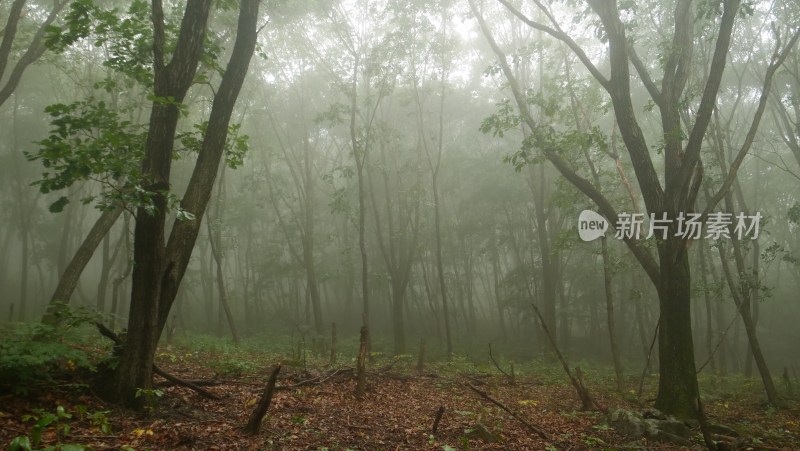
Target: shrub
{"type": "Point", "coordinates": [32, 354]}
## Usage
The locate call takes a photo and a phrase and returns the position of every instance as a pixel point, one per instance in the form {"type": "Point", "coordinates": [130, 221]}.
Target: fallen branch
{"type": "Point", "coordinates": [583, 393]}
{"type": "Point", "coordinates": [475, 378]}
{"type": "Point", "coordinates": [254, 424]}
{"type": "Point", "coordinates": [538, 431]}
{"type": "Point", "coordinates": [178, 381]}
{"type": "Point", "coordinates": [315, 380]}
{"type": "Point", "coordinates": [198, 382]}
{"type": "Point", "coordinates": [108, 333]}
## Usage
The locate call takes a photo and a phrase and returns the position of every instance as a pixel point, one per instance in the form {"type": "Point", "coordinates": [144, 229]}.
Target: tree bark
{"type": "Point", "coordinates": [677, 383]}
{"type": "Point", "coordinates": [69, 278]}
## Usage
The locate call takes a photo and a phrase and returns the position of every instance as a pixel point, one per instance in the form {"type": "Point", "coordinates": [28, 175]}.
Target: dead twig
{"type": "Point", "coordinates": [583, 393]}
{"type": "Point", "coordinates": [254, 424]}
{"type": "Point", "coordinates": [198, 382]}
{"type": "Point", "coordinates": [315, 380]}
{"type": "Point", "coordinates": [436, 420]}
{"type": "Point", "coordinates": [538, 431]}
{"type": "Point", "coordinates": [509, 376]}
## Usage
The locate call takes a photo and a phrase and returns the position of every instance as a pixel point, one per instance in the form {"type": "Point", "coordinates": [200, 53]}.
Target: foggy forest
{"type": "Point", "coordinates": [399, 225]}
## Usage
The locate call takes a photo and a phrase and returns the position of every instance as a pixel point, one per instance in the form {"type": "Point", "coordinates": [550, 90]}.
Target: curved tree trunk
{"type": "Point", "coordinates": [69, 278]}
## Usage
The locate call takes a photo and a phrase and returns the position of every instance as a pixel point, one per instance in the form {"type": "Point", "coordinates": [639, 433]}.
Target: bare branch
{"type": "Point", "coordinates": [709, 98]}
{"type": "Point", "coordinates": [778, 57]}
{"type": "Point", "coordinates": [561, 36]}
{"type": "Point", "coordinates": [642, 255]}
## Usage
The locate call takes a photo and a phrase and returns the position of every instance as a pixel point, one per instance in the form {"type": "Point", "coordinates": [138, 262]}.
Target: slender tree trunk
{"type": "Point", "coordinates": [100, 301]}
{"type": "Point", "coordinates": [707, 298]}
{"type": "Point", "coordinates": [440, 267]}
{"type": "Point", "coordinates": [308, 242]}
{"type": "Point", "coordinates": [612, 328]}
{"type": "Point", "coordinates": [23, 294]}
{"type": "Point", "coordinates": [398, 322]}
{"type": "Point", "coordinates": [69, 278]}
{"type": "Point", "coordinates": [741, 298]}
{"type": "Point", "coordinates": [124, 273]}
{"type": "Point", "coordinates": [216, 243]}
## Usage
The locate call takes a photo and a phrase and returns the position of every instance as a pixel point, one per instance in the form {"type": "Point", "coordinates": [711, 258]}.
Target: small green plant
{"type": "Point", "coordinates": [32, 354]}
{"type": "Point", "coordinates": [43, 419]}
{"type": "Point", "coordinates": [593, 441]}
{"type": "Point", "coordinates": [98, 419]}
{"type": "Point", "coordinates": [299, 420]}
{"type": "Point", "coordinates": [149, 393]}
{"type": "Point", "coordinates": [601, 427]}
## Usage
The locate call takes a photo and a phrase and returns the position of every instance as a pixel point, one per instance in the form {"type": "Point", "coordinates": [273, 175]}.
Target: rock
{"type": "Point", "coordinates": [653, 413]}
{"type": "Point", "coordinates": [632, 425]}
{"type": "Point", "coordinates": [670, 426]}
{"type": "Point", "coordinates": [693, 424]}
{"type": "Point", "coordinates": [721, 429]}
{"type": "Point", "coordinates": [627, 423]}
{"type": "Point", "coordinates": [662, 436]}
{"type": "Point", "coordinates": [480, 432]}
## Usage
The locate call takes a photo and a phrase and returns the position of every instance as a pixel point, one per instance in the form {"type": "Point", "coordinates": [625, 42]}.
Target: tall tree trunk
{"type": "Point", "coordinates": [440, 266]}
{"type": "Point", "coordinates": [677, 387]}
{"type": "Point", "coordinates": [308, 242]}
{"type": "Point", "coordinates": [398, 322]}
{"type": "Point", "coordinates": [742, 299]}
{"type": "Point", "coordinates": [612, 328]}
{"type": "Point", "coordinates": [172, 80]}
{"type": "Point", "coordinates": [69, 278]}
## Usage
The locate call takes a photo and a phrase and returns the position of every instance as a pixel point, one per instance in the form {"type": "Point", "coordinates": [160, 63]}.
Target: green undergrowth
{"type": "Point", "coordinates": [34, 355]}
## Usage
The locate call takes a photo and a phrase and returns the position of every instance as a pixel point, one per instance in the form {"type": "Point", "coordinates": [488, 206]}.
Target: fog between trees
{"type": "Point", "coordinates": [417, 167]}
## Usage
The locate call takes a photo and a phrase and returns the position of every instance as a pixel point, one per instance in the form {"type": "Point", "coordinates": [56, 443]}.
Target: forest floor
{"type": "Point", "coordinates": [314, 409]}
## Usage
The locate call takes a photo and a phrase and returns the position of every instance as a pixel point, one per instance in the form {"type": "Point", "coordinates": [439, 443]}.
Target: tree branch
{"type": "Point", "coordinates": [561, 36]}
{"type": "Point", "coordinates": [642, 255]}
{"type": "Point", "coordinates": [33, 53]}
{"type": "Point", "coordinates": [778, 57]}
{"type": "Point", "coordinates": [709, 98]}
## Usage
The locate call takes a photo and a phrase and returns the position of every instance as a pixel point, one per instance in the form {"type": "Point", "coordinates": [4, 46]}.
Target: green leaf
{"type": "Point", "coordinates": [58, 206]}
{"type": "Point", "coordinates": [72, 448]}
{"type": "Point", "coordinates": [20, 443]}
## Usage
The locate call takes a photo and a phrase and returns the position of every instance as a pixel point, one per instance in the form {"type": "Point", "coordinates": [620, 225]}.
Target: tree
{"type": "Point", "coordinates": [35, 49]}
{"type": "Point", "coordinates": [683, 173]}
{"type": "Point", "coordinates": [159, 266]}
